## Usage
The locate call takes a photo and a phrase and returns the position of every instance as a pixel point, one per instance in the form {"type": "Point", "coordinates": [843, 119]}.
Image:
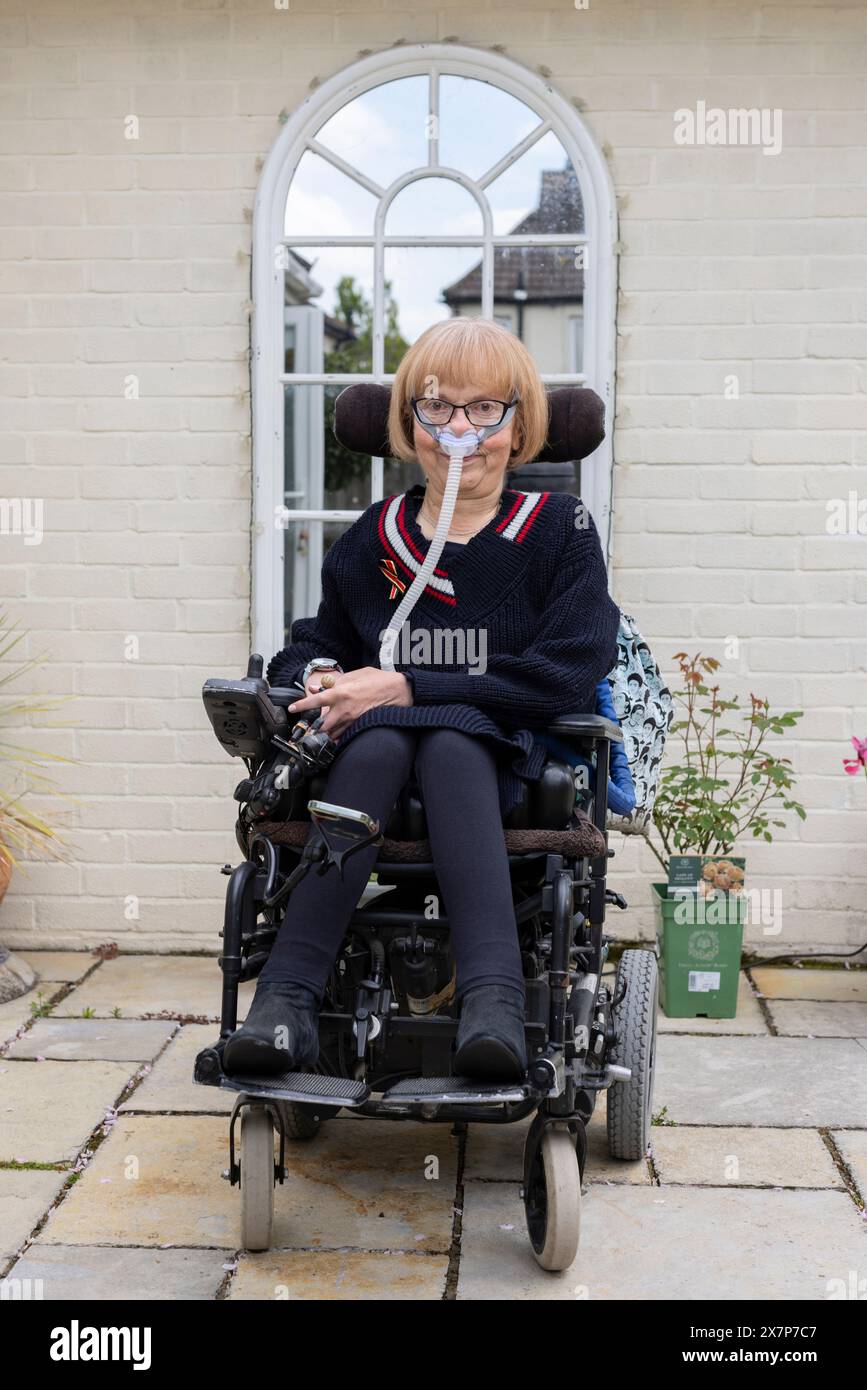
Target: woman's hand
{"type": "Point", "coordinates": [352, 693]}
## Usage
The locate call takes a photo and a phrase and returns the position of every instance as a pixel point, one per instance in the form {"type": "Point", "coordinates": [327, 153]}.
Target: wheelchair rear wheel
{"type": "Point", "coordinates": [634, 1019]}
{"type": "Point", "coordinates": [257, 1177]}
{"type": "Point", "coordinates": [552, 1200]}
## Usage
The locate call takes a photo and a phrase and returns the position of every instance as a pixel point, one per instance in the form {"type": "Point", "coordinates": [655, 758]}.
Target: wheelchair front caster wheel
{"type": "Point", "coordinates": [257, 1177]}
{"type": "Point", "coordinates": [552, 1200]}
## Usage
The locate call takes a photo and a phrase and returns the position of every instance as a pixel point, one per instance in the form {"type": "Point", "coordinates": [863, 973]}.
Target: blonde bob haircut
{"type": "Point", "coordinates": [470, 349]}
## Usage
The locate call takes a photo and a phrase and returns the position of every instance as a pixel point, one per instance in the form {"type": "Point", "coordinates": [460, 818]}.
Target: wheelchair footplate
{"type": "Point", "coordinates": [308, 1087]}
{"type": "Point", "coordinates": [420, 1092]}
{"type": "Point", "coordinates": [411, 1093]}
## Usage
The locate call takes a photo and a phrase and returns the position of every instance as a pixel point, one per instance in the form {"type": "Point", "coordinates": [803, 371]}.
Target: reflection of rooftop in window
{"type": "Point", "coordinates": [537, 272]}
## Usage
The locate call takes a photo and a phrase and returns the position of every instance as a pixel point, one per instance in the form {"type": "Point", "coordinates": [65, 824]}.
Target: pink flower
{"type": "Point", "coordinates": [852, 765]}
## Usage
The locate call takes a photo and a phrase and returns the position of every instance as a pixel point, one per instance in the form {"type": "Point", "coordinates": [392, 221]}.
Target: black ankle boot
{"type": "Point", "coordinates": [491, 1044]}
{"type": "Point", "coordinates": [280, 1032]}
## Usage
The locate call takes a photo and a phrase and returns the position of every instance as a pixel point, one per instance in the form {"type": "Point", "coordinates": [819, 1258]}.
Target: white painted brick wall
{"type": "Point", "coordinates": [122, 258]}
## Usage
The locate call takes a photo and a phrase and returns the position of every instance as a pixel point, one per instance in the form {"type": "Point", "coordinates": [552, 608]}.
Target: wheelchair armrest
{"type": "Point", "coordinates": [586, 726]}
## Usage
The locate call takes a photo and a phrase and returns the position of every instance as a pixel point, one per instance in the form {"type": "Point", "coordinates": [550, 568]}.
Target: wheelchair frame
{"type": "Point", "coordinates": [575, 1023]}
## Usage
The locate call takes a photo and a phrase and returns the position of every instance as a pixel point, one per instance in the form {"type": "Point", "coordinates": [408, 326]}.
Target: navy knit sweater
{"type": "Point", "coordinates": [525, 602]}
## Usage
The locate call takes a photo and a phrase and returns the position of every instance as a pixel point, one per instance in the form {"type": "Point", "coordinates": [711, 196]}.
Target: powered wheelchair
{"type": "Point", "coordinates": [388, 1019]}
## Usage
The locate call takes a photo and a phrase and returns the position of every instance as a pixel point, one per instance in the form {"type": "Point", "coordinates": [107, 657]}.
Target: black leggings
{"type": "Point", "coordinates": [458, 779]}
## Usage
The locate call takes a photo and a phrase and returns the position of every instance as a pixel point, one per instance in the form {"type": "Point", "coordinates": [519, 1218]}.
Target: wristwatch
{"type": "Point", "coordinates": [319, 663]}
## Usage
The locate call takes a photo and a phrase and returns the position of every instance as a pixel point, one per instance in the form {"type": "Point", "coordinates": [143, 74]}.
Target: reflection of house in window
{"type": "Point", "coordinates": [538, 290]}
{"type": "Point", "coordinates": [539, 296]}
{"type": "Point", "coordinates": [309, 333]}
{"type": "Point", "coordinates": [301, 289]}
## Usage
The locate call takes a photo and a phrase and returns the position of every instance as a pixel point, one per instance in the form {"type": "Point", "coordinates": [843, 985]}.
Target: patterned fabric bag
{"type": "Point", "coordinates": [644, 708]}
{"type": "Point", "coordinates": [635, 696]}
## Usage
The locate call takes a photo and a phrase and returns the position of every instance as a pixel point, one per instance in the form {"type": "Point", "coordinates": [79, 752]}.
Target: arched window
{"type": "Point", "coordinates": [415, 185]}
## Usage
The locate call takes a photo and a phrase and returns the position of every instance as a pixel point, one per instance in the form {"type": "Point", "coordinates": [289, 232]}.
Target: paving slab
{"type": "Point", "coordinates": [138, 985]}
{"type": "Point", "coordinates": [155, 1181]}
{"type": "Point", "coordinates": [59, 967]}
{"type": "Point", "coordinates": [765, 1082]}
{"type": "Point", "coordinates": [601, 1168]}
{"type": "Point", "coordinates": [25, 1196]}
{"type": "Point", "coordinates": [48, 1109]}
{"type": "Point", "coordinates": [93, 1039]}
{"type": "Point", "coordinates": [667, 1243]}
{"type": "Point", "coordinates": [852, 1144]}
{"type": "Point", "coordinates": [348, 1187]}
{"type": "Point", "coordinates": [776, 982]}
{"type": "Point", "coordinates": [750, 1018]}
{"type": "Point", "coordinates": [495, 1153]}
{"type": "Point", "coordinates": [363, 1183]}
{"type": "Point", "coordinates": [170, 1085]}
{"type": "Point", "coordinates": [329, 1276]}
{"type": "Point", "coordinates": [73, 1273]}
{"type": "Point", "coordinates": [729, 1157]}
{"type": "Point", "coordinates": [14, 1015]}
{"type": "Point", "coordinates": [810, 1018]}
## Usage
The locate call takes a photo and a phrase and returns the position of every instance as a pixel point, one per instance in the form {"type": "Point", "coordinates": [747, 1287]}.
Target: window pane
{"type": "Point", "coordinates": [322, 201]}
{"type": "Point", "coordinates": [430, 206]}
{"type": "Point", "coordinates": [479, 124]}
{"type": "Point", "coordinates": [302, 582]}
{"type": "Point", "coordinates": [400, 477]}
{"type": "Point", "coordinates": [538, 193]}
{"type": "Point", "coordinates": [328, 308]}
{"type": "Point", "coordinates": [383, 132]}
{"type": "Point", "coordinates": [319, 472]}
{"type": "Point", "coordinates": [541, 290]}
{"type": "Point", "coordinates": [562, 476]}
{"type": "Point", "coordinates": [420, 277]}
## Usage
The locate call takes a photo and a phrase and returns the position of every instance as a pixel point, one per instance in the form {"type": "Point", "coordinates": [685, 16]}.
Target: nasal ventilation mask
{"type": "Point", "coordinates": [458, 447]}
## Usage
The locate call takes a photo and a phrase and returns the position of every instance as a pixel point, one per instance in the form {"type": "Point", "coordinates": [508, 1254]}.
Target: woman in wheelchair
{"type": "Point", "coordinates": [514, 627]}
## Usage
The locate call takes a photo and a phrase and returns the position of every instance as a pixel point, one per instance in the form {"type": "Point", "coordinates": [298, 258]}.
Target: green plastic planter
{"type": "Point", "coordinates": [699, 962]}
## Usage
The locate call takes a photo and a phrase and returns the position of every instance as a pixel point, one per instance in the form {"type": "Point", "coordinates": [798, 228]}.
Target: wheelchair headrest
{"type": "Point", "coordinates": [576, 422]}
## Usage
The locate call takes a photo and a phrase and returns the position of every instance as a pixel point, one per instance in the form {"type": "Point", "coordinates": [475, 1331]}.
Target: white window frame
{"type": "Point", "coordinates": [268, 378]}
{"type": "Point", "coordinates": [576, 336]}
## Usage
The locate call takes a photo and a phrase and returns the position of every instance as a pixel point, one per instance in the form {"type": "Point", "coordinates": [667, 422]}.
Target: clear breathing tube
{"type": "Point", "coordinates": [458, 447]}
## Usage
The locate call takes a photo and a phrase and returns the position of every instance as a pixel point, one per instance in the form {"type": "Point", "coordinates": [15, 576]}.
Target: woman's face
{"type": "Point", "coordinates": [483, 472]}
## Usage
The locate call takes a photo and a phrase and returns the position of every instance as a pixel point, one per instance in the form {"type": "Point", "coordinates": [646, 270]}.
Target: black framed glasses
{"type": "Point", "coordinates": [429, 410]}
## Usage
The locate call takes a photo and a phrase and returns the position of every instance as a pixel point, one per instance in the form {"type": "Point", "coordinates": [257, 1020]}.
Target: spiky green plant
{"type": "Point", "coordinates": [22, 769]}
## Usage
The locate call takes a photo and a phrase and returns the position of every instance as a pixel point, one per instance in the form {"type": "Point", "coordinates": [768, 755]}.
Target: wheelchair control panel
{"type": "Point", "coordinates": [251, 722]}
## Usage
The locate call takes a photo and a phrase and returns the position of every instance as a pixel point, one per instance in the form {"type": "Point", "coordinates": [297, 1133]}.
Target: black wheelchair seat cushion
{"type": "Point", "coordinates": [583, 839]}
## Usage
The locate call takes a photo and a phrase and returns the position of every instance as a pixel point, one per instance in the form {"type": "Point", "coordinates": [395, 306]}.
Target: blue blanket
{"type": "Point", "coordinates": [621, 789]}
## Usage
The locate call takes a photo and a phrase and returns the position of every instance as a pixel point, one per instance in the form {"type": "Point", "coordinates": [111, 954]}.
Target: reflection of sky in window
{"type": "Point", "coordinates": [383, 133]}
{"type": "Point", "coordinates": [418, 276]}
{"type": "Point", "coordinates": [431, 206]}
{"type": "Point", "coordinates": [325, 202]}
{"type": "Point", "coordinates": [479, 123]}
